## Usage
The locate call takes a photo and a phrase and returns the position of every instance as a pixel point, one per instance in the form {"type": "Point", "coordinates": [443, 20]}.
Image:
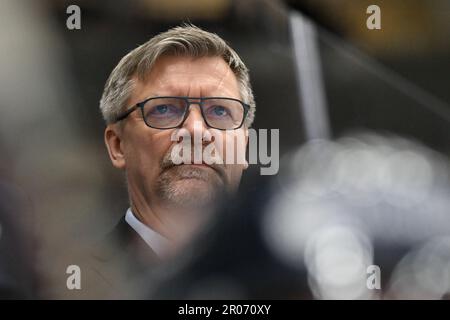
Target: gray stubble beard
{"type": "Point", "coordinates": [173, 194]}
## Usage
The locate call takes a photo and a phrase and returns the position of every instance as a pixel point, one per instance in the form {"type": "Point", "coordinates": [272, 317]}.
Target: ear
{"type": "Point", "coordinates": [113, 142]}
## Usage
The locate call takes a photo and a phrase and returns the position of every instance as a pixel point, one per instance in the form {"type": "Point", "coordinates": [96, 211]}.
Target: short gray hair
{"type": "Point", "coordinates": [185, 40]}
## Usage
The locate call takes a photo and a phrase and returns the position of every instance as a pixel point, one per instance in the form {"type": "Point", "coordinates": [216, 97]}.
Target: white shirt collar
{"type": "Point", "coordinates": [154, 240]}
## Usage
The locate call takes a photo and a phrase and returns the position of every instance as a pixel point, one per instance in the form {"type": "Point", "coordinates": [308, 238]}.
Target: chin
{"type": "Point", "coordinates": [194, 183]}
{"type": "Point", "coordinates": [194, 192]}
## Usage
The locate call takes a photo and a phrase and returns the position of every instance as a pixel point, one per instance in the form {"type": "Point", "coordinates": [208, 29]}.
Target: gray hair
{"type": "Point", "coordinates": [185, 40]}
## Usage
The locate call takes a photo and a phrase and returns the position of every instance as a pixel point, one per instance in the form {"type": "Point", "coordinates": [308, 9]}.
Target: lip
{"type": "Point", "coordinates": [199, 165]}
{"type": "Point", "coordinates": [203, 165]}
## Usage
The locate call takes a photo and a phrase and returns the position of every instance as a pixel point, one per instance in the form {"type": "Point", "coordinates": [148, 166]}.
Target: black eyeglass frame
{"type": "Point", "coordinates": [199, 102]}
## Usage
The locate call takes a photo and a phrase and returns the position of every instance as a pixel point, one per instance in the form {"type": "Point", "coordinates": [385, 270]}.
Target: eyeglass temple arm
{"type": "Point", "coordinates": [126, 113]}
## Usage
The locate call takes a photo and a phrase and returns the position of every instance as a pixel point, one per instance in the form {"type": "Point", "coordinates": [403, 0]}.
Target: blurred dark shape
{"type": "Point", "coordinates": [336, 209]}
{"type": "Point", "coordinates": [231, 259]}
{"type": "Point", "coordinates": [17, 276]}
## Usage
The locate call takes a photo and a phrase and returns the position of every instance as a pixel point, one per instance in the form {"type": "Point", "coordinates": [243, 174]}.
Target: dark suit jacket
{"type": "Point", "coordinates": [118, 266]}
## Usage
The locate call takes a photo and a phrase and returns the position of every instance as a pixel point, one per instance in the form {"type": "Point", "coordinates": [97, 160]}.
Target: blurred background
{"type": "Point", "coordinates": [317, 72]}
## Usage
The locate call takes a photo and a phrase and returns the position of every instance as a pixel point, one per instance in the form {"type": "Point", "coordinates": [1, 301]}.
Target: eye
{"type": "Point", "coordinates": [219, 111]}
{"type": "Point", "coordinates": [161, 109]}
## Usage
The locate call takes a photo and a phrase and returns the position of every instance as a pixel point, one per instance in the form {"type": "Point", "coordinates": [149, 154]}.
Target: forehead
{"type": "Point", "coordinates": [189, 76]}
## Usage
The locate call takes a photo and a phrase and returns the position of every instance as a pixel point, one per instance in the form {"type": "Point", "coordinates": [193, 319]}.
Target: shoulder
{"type": "Point", "coordinates": [122, 254]}
{"type": "Point", "coordinates": [110, 267]}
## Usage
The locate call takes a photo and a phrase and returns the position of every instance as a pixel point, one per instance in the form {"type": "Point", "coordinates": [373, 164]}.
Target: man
{"type": "Point", "coordinates": [182, 83]}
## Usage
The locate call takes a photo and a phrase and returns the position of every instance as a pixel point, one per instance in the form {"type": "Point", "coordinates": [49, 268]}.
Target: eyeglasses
{"type": "Point", "coordinates": [171, 112]}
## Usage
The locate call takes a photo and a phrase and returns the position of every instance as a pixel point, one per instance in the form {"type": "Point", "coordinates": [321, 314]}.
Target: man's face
{"type": "Point", "coordinates": [145, 152]}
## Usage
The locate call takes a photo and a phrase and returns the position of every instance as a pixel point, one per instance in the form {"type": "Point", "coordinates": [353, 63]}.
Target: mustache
{"type": "Point", "coordinates": [167, 163]}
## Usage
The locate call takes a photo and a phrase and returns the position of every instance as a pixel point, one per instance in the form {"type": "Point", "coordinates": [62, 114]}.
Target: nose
{"type": "Point", "coordinates": [194, 120]}
{"type": "Point", "coordinates": [195, 124]}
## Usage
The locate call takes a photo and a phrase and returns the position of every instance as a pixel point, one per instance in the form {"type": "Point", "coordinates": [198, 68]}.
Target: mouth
{"type": "Point", "coordinates": [200, 170]}
{"type": "Point", "coordinates": [199, 167]}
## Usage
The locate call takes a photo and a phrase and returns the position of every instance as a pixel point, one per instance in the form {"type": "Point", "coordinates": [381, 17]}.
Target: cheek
{"type": "Point", "coordinates": [234, 148]}
{"type": "Point", "coordinates": [146, 151]}
{"type": "Point", "coordinates": [235, 157]}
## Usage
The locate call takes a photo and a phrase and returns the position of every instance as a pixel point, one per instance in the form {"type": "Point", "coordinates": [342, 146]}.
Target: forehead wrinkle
{"type": "Point", "coordinates": [211, 84]}
{"type": "Point", "coordinates": [216, 79]}
{"type": "Point", "coordinates": [172, 88]}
